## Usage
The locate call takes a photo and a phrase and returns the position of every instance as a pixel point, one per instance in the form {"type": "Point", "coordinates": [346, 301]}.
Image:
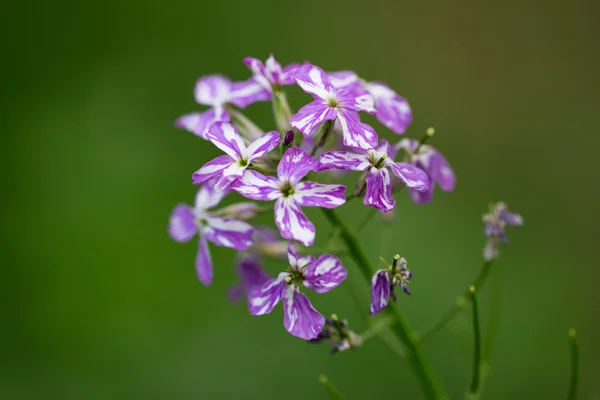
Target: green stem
{"type": "Point", "coordinates": [370, 214]}
{"type": "Point", "coordinates": [247, 128]}
{"type": "Point", "coordinates": [333, 392]}
{"type": "Point", "coordinates": [475, 383]}
{"type": "Point", "coordinates": [281, 110]}
{"type": "Point", "coordinates": [416, 357]}
{"type": "Point", "coordinates": [574, 364]}
{"type": "Point", "coordinates": [461, 302]}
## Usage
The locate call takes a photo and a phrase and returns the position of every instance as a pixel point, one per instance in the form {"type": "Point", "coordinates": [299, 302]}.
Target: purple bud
{"type": "Point", "coordinates": [288, 139]}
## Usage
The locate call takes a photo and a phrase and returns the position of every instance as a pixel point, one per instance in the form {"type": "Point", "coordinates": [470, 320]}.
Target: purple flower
{"type": "Point", "coordinates": [393, 110]}
{"type": "Point", "coordinates": [251, 273]}
{"type": "Point", "coordinates": [375, 162]}
{"type": "Point", "coordinates": [338, 334]}
{"type": "Point", "coordinates": [300, 317]}
{"type": "Point", "coordinates": [239, 157]}
{"type": "Point", "coordinates": [216, 91]}
{"type": "Point", "coordinates": [333, 104]}
{"type": "Point", "coordinates": [291, 194]}
{"type": "Point", "coordinates": [434, 164]}
{"type": "Point", "coordinates": [385, 280]}
{"type": "Point", "coordinates": [270, 75]}
{"type": "Point", "coordinates": [495, 222]}
{"type": "Point", "coordinates": [186, 222]}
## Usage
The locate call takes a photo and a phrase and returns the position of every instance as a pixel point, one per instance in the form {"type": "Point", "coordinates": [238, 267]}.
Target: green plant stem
{"type": "Point", "coordinates": [574, 364]}
{"type": "Point", "coordinates": [333, 392]}
{"type": "Point", "coordinates": [363, 224]}
{"type": "Point", "coordinates": [416, 357]}
{"type": "Point", "coordinates": [460, 304]}
{"type": "Point", "coordinates": [476, 381]}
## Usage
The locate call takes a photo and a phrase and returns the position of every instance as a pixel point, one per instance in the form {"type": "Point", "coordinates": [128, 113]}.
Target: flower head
{"type": "Point", "coordinates": [393, 110]}
{"type": "Point", "coordinates": [337, 333]}
{"type": "Point", "coordinates": [385, 280]}
{"type": "Point", "coordinates": [375, 162]}
{"type": "Point", "coordinates": [232, 166]}
{"type": "Point", "coordinates": [270, 75]}
{"type": "Point", "coordinates": [332, 104]}
{"type": "Point", "coordinates": [434, 164]}
{"type": "Point", "coordinates": [185, 222]}
{"type": "Point", "coordinates": [216, 91]}
{"type": "Point", "coordinates": [301, 319]}
{"type": "Point", "coordinates": [495, 222]}
{"type": "Point", "coordinates": [291, 194]}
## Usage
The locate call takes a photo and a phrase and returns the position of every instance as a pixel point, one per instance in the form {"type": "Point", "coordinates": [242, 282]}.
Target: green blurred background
{"type": "Point", "coordinates": [98, 302]}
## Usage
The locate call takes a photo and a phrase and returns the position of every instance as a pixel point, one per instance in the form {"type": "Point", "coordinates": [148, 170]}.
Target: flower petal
{"type": "Point", "coordinates": [313, 80]}
{"type": "Point", "coordinates": [248, 92]}
{"type": "Point", "coordinates": [286, 78]}
{"type": "Point", "coordinates": [379, 190]}
{"type": "Point", "coordinates": [212, 90]}
{"type": "Point", "coordinates": [312, 115]}
{"type": "Point", "coordinates": [344, 160]}
{"type": "Point", "coordinates": [212, 169]}
{"type": "Point", "coordinates": [356, 134]}
{"type": "Point", "coordinates": [341, 79]}
{"type": "Point", "coordinates": [355, 98]}
{"type": "Point", "coordinates": [256, 186]}
{"type": "Point", "coordinates": [511, 218]}
{"type": "Point", "coordinates": [324, 274]}
{"type": "Point", "coordinates": [208, 197]}
{"type": "Point", "coordinates": [413, 177]}
{"type": "Point", "coordinates": [262, 300]}
{"type": "Point", "coordinates": [198, 123]}
{"type": "Point", "coordinates": [312, 194]}
{"type": "Point", "coordinates": [295, 164]}
{"type": "Point", "coordinates": [380, 291]}
{"type": "Point", "coordinates": [228, 232]}
{"type": "Point", "coordinates": [292, 222]}
{"type": "Point", "coordinates": [204, 267]}
{"type": "Point", "coordinates": [273, 71]}
{"type": "Point", "coordinates": [296, 261]}
{"type": "Point", "coordinates": [422, 197]}
{"type": "Point", "coordinates": [392, 110]}
{"type": "Point", "coordinates": [301, 319]}
{"type": "Point", "coordinates": [255, 65]}
{"type": "Point", "coordinates": [182, 223]}
{"type": "Point", "coordinates": [262, 145]}
{"type": "Point", "coordinates": [251, 274]}
{"type": "Point", "coordinates": [244, 211]}
{"type": "Point", "coordinates": [227, 138]}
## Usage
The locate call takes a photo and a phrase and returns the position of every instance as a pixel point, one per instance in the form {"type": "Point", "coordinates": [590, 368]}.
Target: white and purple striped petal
{"type": "Point", "coordinates": [207, 197]}
{"type": "Point", "coordinates": [297, 262]}
{"type": "Point", "coordinates": [344, 160]}
{"type": "Point", "coordinates": [355, 133]}
{"type": "Point", "coordinates": [212, 90]}
{"type": "Point", "coordinates": [312, 115]}
{"type": "Point", "coordinates": [182, 223]}
{"type": "Point", "coordinates": [422, 197]}
{"type": "Point", "coordinates": [198, 123]}
{"type": "Point", "coordinates": [212, 169]}
{"type": "Point", "coordinates": [312, 194]}
{"type": "Point", "coordinates": [380, 291]}
{"type": "Point", "coordinates": [413, 177]}
{"type": "Point", "coordinates": [286, 78]}
{"type": "Point", "coordinates": [292, 222]}
{"type": "Point", "coordinates": [356, 98]}
{"type": "Point", "coordinates": [248, 92]}
{"type": "Point", "coordinates": [262, 146]}
{"type": "Point", "coordinates": [256, 186]}
{"type": "Point", "coordinates": [313, 80]}
{"type": "Point", "coordinates": [301, 319]}
{"type": "Point", "coordinates": [295, 164]}
{"type": "Point", "coordinates": [228, 232]}
{"type": "Point", "coordinates": [251, 274]}
{"type": "Point", "coordinates": [342, 79]}
{"type": "Point", "coordinates": [204, 268]}
{"type": "Point", "coordinates": [392, 110]}
{"type": "Point", "coordinates": [263, 299]}
{"type": "Point", "coordinates": [511, 218]}
{"type": "Point", "coordinates": [324, 274]}
{"type": "Point", "coordinates": [379, 190]}
{"type": "Point", "coordinates": [440, 171]}
{"type": "Point", "coordinates": [227, 138]}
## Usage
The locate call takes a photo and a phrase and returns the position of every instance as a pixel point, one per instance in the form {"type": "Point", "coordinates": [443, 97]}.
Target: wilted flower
{"type": "Point", "coordinates": [301, 319]}
{"type": "Point", "coordinates": [495, 222]}
{"type": "Point", "coordinates": [185, 222]}
{"type": "Point", "coordinates": [338, 334]}
{"type": "Point", "coordinates": [385, 280]}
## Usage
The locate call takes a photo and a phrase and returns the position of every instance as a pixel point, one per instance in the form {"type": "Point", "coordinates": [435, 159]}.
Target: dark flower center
{"type": "Point", "coordinates": [243, 162]}
{"type": "Point", "coordinates": [287, 190]}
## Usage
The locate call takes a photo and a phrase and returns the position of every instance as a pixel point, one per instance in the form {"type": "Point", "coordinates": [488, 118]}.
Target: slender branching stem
{"type": "Point", "coordinates": [461, 302]}
{"type": "Point", "coordinates": [574, 364]}
{"type": "Point", "coordinates": [416, 357]}
{"type": "Point", "coordinates": [333, 392]}
{"type": "Point", "coordinates": [476, 381]}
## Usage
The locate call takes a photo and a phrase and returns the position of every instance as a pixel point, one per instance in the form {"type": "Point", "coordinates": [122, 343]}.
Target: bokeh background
{"type": "Point", "coordinates": [98, 303]}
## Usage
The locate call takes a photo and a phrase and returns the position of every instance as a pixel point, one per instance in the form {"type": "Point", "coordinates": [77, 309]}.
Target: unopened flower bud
{"type": "Point", "coordinates": [288, 139]}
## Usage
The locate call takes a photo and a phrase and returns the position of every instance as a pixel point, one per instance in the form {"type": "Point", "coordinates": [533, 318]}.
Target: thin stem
{"type": "Point", "coordinates": [416, 357]}
{"type": "Point", "coordinates": [494, 324]}
{"type": "Point", "coordinates": [460, 303]}
{"type": "Point", "coordinates": [574, 364]}
{"type": "Point", "coordinates": [475, 383]}
{"type": "Point", "coordinates": [428, 134]}
{"type": "Point", "coordinates": [363, 224]}
{"type": "Point", "coordinates": [333, 392]}
{"type": "Point", "coordinates": [248, 129]}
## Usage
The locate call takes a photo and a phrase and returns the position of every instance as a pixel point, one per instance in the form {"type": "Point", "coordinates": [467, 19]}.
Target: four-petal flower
{"type": "Point", "coordinates": [270, 74]}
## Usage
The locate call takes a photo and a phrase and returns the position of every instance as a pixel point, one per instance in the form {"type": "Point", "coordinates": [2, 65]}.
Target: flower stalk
{"type": "Point", "coordinates": [476, 381]}
{"type": "Point", "coordinates": [333, 392]}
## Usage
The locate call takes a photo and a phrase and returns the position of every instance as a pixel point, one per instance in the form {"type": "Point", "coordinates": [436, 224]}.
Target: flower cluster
{"type": "Point", "coordinates": [283, 170]}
